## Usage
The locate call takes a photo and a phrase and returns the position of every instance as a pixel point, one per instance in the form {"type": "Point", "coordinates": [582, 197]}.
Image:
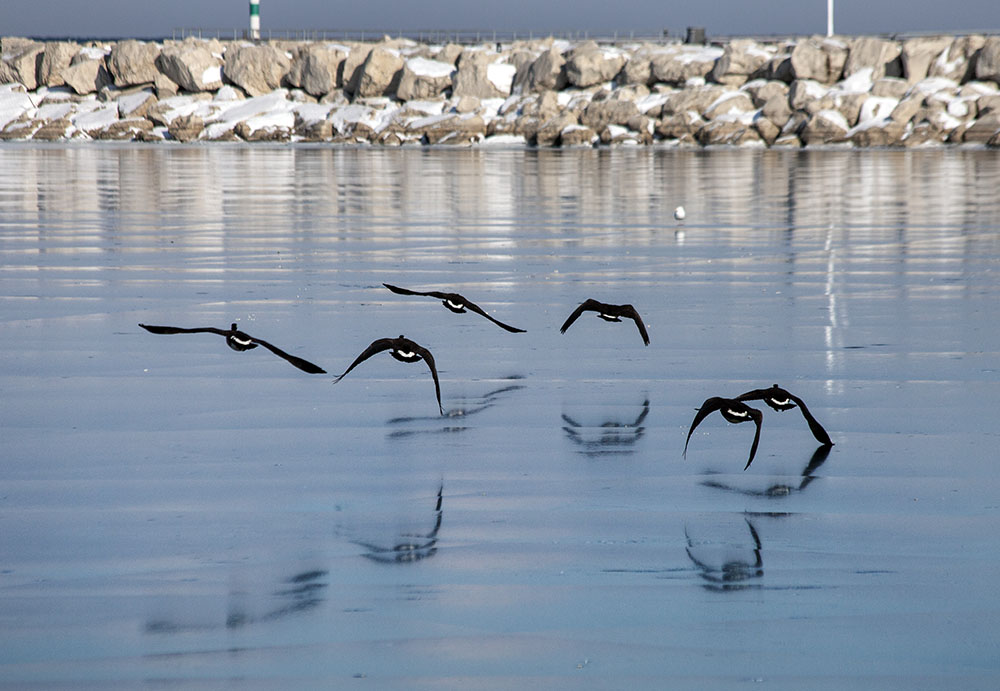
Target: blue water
{"type": "Point", "coordinates": [174, 513]}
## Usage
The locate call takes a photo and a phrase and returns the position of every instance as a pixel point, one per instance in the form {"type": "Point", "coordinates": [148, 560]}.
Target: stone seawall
{"type": "Point", "coordinates": [813, 91]}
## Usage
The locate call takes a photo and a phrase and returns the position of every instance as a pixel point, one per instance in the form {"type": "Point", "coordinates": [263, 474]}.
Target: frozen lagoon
{"type": "Point", "coordinates": [173, 513]}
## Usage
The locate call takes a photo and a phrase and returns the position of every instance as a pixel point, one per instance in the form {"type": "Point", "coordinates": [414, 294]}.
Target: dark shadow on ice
{"type": "Point", "coordinates": [407, 548]}
{"type": "Point", "coordinates": [296, 594]}
{"type": "Point", "coordinates": [610, 437]}
{"type": "Point", "coordinates": [724, 568]}
{"type": "Point", "coordinates": [779, 489]}
{"type": "Point", "coordinates": [452, 416]}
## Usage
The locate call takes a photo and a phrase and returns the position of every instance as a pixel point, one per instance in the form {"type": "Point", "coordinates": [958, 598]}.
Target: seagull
{"type": "Point", "coordinates": [679, 213]}
{"type": "Point", "coordinates": [734, 411]}
{"type": "Point", "coordinates": [780, 400]}
{"type": "Point", "coordinates": [456, 303]}
{"type": "Point", "coordinates": [239, 340]}
{"type": "Point", "coordinates": [404, 350]}
{"type": "Point", "coordinates": [611, 313]}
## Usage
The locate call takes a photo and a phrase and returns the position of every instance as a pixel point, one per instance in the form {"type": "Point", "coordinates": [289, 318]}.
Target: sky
{"type": "Point", "coordinates": [145, 19]}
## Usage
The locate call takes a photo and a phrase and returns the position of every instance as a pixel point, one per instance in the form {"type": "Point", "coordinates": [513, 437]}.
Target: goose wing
{"type": "Point", "coordinates": [480, 311]}
{"type": "Point", "coordinates": [376, 347]}
{"type": "Point", "coordinates": [407, 291]}
{"type": "Point", "coordinates": [584, 306]}
{"type": "Point", "coordinates": [630, 312]}
{"type": "Point", "coordinates": [817, 429]}
{"type": "Point", "coordinates": [303, 365]}
{"type": "Point", "coordinates": [178, 330]}
{"type": "Point", "coordinates": [707, 408]}
{"type": "Point", "coordinates": [757, 418]}
{"type": "Point", "coordinates": [429, 359]}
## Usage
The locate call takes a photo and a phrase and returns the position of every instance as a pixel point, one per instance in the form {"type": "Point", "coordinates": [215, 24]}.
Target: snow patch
{"type": "Point", "coordinates": [422, 67]}
{"type": "Point", "coordinates": [501, 75]}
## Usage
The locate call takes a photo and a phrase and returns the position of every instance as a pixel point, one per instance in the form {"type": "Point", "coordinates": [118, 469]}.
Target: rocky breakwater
{"type": "Point", "coordinates": [813, 91]}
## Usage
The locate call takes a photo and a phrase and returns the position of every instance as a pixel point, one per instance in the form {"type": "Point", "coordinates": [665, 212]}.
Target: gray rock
{"type": "Point", "coordinates": [918, 54]}
{"type": "Point", "coordinates": [696, 99]}
{"type": "Point", "coordinates": [56, 58]}
{"type": "Point", "coordinates": [380, 74]}
{"type": "Point", "coordinates": [639, 67]}
{"type": "Point", "coordinates": [545, 74]}
{"type": "Point", "coordinates": [680, 126]}
{"type": "Point", "coordinates": [762, 91]}
{"type": "Point", "coordinates": [777, 110]}
{"type": "Point", "coordinates": [598, 115]}
{"type": "Point", "coordinates": [890, 87]}
{"type": "Point", "coordinates": [86, 76]}
{"type": "Point", "coordinates": [479, 74]}
{"type": "Point", "coordinates": [988, 62]}
{"type": "Point", "coordinates": [982, 129]}
{"type": "Point", "coordinates": [165, 86]}
{"type": "Point", "coordinates": [730, 103]}
{"type": "Point", "coordinates": [550, 131]}
{"type": "Point", "coordinates": [818, 59]}
{"type": "Point", "coordinates": [728, 132]}
{"type": "Point", "coordinates": [186, 128]}
{"type": "Point", "coordinates": [907, 108]}
{"type": "Point", "coordinates": [740, 58]}
{"type": "Point", "coordinates": [133, 62]}
{"type": "Point", "coordinates": [353, 66]}
{"type": "Point", "coordinates": [318, 69]}
{"type": "Point", "coordinates": [21, 64]}
{"type": "Point", "coordinates": [957, 61]}
{"type": "Point", "coordinates": [879, 54]}
{"type": "Point", "coordinates": [768, 130]}
{"type": "Point", "coordinates": [423, 79]}
{"type": "Point", "coordinates": [683, 63]}
{"type": "Point", "coordinates": [128, 130]}
{"type": "Point", "coordinates": [577, 136]}
{"type": "Point", "coordinates": [989, 104]}
{"type": "Point", "coordinates": [824, 127]}
{"type": "Point", "coordinates": [887, 134]}
{"type": "Point", "coordinates": [593, 66]}
{"type": "Point", "coordinates": [258, 69]}
{"type": "Point", "coordinates": [191, 66]}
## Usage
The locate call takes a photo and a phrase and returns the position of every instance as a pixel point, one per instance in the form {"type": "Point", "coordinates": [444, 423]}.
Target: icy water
{"type": "Point", "coordinates": [177, 514]}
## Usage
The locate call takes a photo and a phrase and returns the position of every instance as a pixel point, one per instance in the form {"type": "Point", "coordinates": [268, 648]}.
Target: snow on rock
{"type": "Point", "coordinates": [501, 75]}
{"type": "Point", "coordinates": [100, 117]}
{"type": "Point", "coordinates": [13, 105]}
{"type": "Point", "coordinates": [423, 67]}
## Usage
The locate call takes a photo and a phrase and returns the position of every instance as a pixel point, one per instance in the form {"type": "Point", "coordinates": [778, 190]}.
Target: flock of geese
{"type": "Point", "coordinates": [734, 410]}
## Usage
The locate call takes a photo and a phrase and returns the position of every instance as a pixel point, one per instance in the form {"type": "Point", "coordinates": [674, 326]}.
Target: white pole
{"type": "Point", "coordinates": [829, 18]}
{"type": "Point", "coordinates": [255, 19]}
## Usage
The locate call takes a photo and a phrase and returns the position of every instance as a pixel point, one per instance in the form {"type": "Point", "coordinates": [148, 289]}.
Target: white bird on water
{"type": "Point", "coordinates": [679, 213]}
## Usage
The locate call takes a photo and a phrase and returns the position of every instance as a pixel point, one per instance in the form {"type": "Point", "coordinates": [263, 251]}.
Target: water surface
{"type": "Point", "coordinates": [173, 512]}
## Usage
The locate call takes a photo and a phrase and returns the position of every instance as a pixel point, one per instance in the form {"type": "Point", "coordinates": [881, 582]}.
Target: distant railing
{"type": "Point", "coordinates": [477, 36]}
{"type": "Point", "coordinates": [466, 36]}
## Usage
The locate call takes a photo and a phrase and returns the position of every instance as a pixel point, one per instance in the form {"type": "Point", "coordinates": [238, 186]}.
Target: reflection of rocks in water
{"type": "Point", "coordinates": [780, 489]}
{"type": "Point", "coordinates": [727, 565]}
{"type": "Point", "coordinates": [412, 547]}
{"type": "Point", "coordinates": [453, 417]}
{"type": "Point", "coordinates": [300, 593]}
{"type": "Point", "coordinates": [609, 437]}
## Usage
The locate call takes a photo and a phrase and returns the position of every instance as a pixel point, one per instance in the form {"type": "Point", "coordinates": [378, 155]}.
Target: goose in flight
{"type": "Point", "coordinates": [238, 340]}
{"type": "Point", "coordinates": [611, 313]}
{"type": "Point", "coordinates": [404, 350]}
{"type": "Point", "coordinates": [779, 399]}
{"type": "Point", "coordinates": [733, 411]}
{"type": "Point", "coordinates": [456, 303]}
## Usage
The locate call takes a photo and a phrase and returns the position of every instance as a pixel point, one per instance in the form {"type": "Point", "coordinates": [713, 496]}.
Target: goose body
{"type": "Point", "coordinates": [404, 350]}
{"type": "Point", "coordinates": [455, 303]}
{"type": "Point", "coordinates": [733, 411]}
{"type": "Point", "coordinates": [609, 313]}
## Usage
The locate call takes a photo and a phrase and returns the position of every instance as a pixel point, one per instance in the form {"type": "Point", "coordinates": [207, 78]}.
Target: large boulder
{"type": "Point", "coordinates": [57, 57]}
{"type": "Point", "coordinates": [85, 74]}
{"type": "Point", "coordinates": [639, 68]}
{"type": "Point", "coordinates": [818, 59]}
{"type": "Point", "coordinates": [186, 128]}
{"type": "Point", "coordinates": [825, 127]}
{"type": "Point", "coordinates": [730, 103]}
{"type": "Point", "coordinates": [983, 129]}
{"type": "Point", "coordinates": [546, 73]}
{"type": "Point", "coordinates": [483, 75]}
{"type": "Point", "coordinates": [988, 62]}
{"type": "Point", "coordinates": [957, 61]}
{"type": "Point", "coordinates": [317, 69]}
{"type": "Point", "coordinates": [880, 55]}
{"type": "Point", "coordinates": [380, 73]}
{"type": "Point", "coordinates": [685, 62]}
{"type": "Point", "coordinates": [590, 65]}
{"type": "Point", "coordinates": [257, 69]}
{"type": "Point", "coordinates": [133, 62]}
{"type": "Point", "coordinates": [354, 65]}
{"type": "Point", "coordinates": [740, 58]}
{"type": "Point", "coordinates": [918, 54]}
{"type": "Point", "coordinates": [423, 78]}
{"type": "Point", "coordinates": [191, 65]}
{"type": "Point", "coordinates": [696, 100]}
{"type": "Point", "coordinates": [21, 64]}
{"type": "Point", "coordinates": [599, 114]}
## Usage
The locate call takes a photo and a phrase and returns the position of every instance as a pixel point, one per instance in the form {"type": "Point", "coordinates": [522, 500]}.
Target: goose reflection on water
{"type": "Point", "coordinates": [452, 415]}
{"type": "Point", "coordinates": [608, 438]}
{"type": "Point", "coordinates": [780, 489]}
{"type": "Point", "coordinates": [407, 548]}
{"type": "Point", "coordinates": [735, 571]}
{"type": "Point", "coordinates": [297, 594]}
